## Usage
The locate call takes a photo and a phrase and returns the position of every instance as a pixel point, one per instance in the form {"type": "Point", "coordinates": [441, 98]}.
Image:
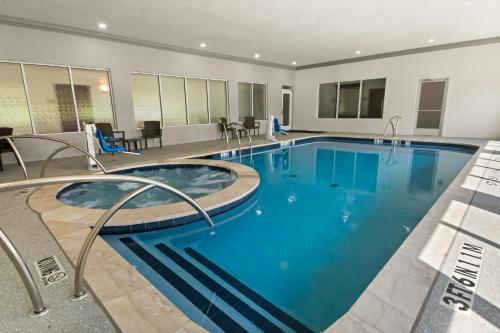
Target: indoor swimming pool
{"type": "Point", "coordinates": [297, 254]}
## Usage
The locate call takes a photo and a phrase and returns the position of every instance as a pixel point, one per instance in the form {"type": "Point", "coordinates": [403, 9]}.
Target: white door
{"type": "Point", "coordinates": [431, 105]}
{"type": "Point", "coordinates": [286, 107]}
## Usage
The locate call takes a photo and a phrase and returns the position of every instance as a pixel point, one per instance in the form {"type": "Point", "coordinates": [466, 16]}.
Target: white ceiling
{"type": "Point", "coordinates": [281, 31]}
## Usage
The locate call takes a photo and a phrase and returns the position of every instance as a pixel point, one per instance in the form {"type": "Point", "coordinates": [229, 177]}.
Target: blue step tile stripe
{"type": "Point", "coordinates": [272, 309]}
{"type": "Point", "coordinates": [228, 297]}
{"type": "Point", "coordinates": [216, 315]}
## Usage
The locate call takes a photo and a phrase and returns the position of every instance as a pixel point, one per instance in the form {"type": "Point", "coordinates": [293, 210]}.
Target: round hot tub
{"type": "Point", "coordinates": [217, 186]}
{"type": "Point", "coordinates": [194, 180]}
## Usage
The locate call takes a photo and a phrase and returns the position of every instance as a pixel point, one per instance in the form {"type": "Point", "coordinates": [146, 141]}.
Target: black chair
{"type": "Point", "coordinates": [4, 145]}
{"type": "Point", "coordinates": [152, 130]}
{"type": "Point", "coordinates": [228, 129]}
{"type": "Point", "coordinates": [251, 124]}
{"type": "Point", "coordinates": [109, 134]}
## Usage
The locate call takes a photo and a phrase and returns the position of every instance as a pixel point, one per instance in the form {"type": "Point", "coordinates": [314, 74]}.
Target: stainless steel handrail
{"type": "Point", "coordinates": [67, 144]}
{"type": "Point", "coordinates": [39, 308]}
{"type": "Point", "coordinates": [235, 127]}
{"type": "Point", "coordinates": [249, 139]}
{"type": "Point", "coordinates": [394, 128]}
{"type": "Point", "coordinates": [82, 258]}
{"type": "Point", "coordinates": [227, 137]}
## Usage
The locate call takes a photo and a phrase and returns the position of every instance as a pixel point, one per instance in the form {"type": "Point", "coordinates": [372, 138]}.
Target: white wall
{"type": "Point", "coordinates": [473, 103]}
{"type": "Point", "coordinates": [21, 44]}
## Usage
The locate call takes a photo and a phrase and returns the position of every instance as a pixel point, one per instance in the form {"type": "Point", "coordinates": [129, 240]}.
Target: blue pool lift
{"type": "Point", "coordinates": [278, 127]}
{"type": "Point", "coordinates": [103, 145]}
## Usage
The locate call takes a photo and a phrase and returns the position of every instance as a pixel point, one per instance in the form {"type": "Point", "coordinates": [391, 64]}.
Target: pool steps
{"type": "Point", "coordinates": [276, 312]}
{"type": "Point", "coordinates": [274, 320]}
{"type": "Point", "coordinates": [227, 296]}
{"type": "Point", "coordinates": [216, 315]}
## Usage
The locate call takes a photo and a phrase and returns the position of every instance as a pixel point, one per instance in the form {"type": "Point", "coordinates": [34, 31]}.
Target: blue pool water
{"type": "Point", "coordinates": [194, 180]}
{"type": "Point", "coordinates": [326, 218]}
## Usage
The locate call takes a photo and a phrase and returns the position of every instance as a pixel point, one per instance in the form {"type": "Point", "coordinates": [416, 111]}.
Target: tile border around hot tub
{"type": "Point", "coordinates": [45, 201]}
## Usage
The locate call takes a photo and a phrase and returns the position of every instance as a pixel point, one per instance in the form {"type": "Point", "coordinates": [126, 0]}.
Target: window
{"type": "Point", "coordinates": [259, 101]}
{"type": "Point", "coordinates": [174, 100]}
{"type": "Point", "coordinates": [178, 100]}
{"type": "Point", "coordinates": [327, 100]}
{"type": "Point", "coordinates": [244, 100]}
{"type": "Point", "coordinates": [352, 99]}
{"type": "Point", "coordinates": [252, 100]}
{"type": "Point", "coordinates": [372, 99]}
{"type": "Point", "coordinates": [218, 100]}
{"type": "Point", "coordinates": [93, 96]}
{"type": "Point", "coordinates": [13, 104]}
{"type": "Point", "coordinates": [51, 99]}
{"type": "Point", "coordinates": [349, 99]}
{"type": "Point", "coordinates": [197, 101]}
{"type": "Point", "coordinates": [146, 98]}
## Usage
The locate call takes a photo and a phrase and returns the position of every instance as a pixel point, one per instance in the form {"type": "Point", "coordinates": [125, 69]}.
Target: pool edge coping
{"type": "Point", "coordinates": [64, 231]}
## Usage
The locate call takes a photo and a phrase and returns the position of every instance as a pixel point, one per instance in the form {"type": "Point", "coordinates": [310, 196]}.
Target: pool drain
{"type": "Point", "coordinates": [334, 185]}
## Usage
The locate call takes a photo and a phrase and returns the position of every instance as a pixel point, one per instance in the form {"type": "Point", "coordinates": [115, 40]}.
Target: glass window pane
{"type": "Point", "coordinates": [432, 95]}
{"type": "Point", "coordinates": [429, 119]}
{"type": "Point", "coordinates": [259, 101]}
{"type": "Point", "coordinates": [218, 100]}
{"type": "Point", "coordinates": [146, 97]}
{"type": "Point", "coordinates": [174, 100]}
{"type": "Point", "coordinates": [93, 96]}
{"type": "Point", "coordinates": [327, 100]}
{"type": "Point", "coordinates": [372, 98]}
{"type": "Point", "coordinates": [244, 100]}
{"type": "Point", "coordinates": [197, 101]}
{"type": "Point", "coordinates": [349, 99]}
{"type": "Point", "coordinates": [13, 105]}
{"type": "Point", "coordinates": [51, 99]}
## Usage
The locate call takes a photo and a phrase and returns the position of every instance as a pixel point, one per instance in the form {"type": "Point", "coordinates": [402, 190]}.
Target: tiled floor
{"type": "Point", "coordinates": [34, 242]}
{"type": "Point", "coordinates": [398, 300]}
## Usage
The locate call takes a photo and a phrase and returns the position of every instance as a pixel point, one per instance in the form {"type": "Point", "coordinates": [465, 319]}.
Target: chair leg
{"type": "Point", "coordinates": [1, 163]}
{"type": "Point", "coordinates": [161, 143]}
{"type": "Point", "coordinates": [146, 142]}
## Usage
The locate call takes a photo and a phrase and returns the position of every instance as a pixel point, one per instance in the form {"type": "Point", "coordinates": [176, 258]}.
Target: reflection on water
{"type": "Point", "coordinates": [359, 170]}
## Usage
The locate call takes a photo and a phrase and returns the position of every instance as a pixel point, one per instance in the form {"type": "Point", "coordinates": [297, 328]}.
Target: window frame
{"type": "Point", "coordinates": [251, 100]}
{"type": "Point", "coordinates": [186, 101]}
{"type": "Point", "coordinates": [338, 97]}
{"type": "Point", "coordinates": [69, 69]}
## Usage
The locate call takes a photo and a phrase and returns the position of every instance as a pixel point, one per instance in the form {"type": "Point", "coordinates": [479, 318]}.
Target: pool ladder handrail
{"type": "Point", "coordinates": [235, 127]}
{"type": "Point", "coordinates": [39, 308]}
{"type": "Point", "coordinates": [66, 144]}
{"type": "Point", "coordinates": [80, 292]}
{"type": "Point", "coordinates": [394, 127]}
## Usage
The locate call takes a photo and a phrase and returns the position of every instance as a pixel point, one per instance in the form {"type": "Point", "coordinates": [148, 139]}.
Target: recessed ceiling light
{"type": "Point", "coordinates": [431, 40]}
{"type": "Point", "coordinates": [467, 3]}
{"type": "Point", "coordinates": [103, 26]}
{"type": "Point", "coordinates": [256, 55]}
{"type": "Point", "coordinates": [358, 52]}
{"type": "Point", "coordinates": [203, 45]}
{"type": "Point", "coordinates": [294, 63]}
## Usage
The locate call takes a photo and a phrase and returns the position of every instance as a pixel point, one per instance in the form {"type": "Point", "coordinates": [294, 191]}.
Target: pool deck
{"type": "Point", "coordinates": [403, 297]}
